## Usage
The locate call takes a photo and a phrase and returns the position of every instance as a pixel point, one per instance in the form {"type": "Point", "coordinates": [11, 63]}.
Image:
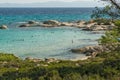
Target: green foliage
{"type": "Point", "coordinates": [97, 13]}
{"type": "Point", "coordinates": [117, 23]}
{"type": "Point", "coordinates": [106, 12]}
{"type": "Point", "coordinates": [26, 78]}
{"type": "Point", "coordinates": [102, 21]}
{"type": "Point", "coordinates": [53, 75]}
{"type": "Point", "coordinates": [73, 76]}
{"type": "Point", "coordinates": [41, 78]}
{"type": "Point", "coordinates": [99, 68]}
{"type": "Point", "coordinates": [7, 57]}
{"type": "Point", "coordinates": [111, 36]}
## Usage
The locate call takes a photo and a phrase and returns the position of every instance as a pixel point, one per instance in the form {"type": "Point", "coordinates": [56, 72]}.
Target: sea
{"type": "Point", "coordinates": [39, 42]}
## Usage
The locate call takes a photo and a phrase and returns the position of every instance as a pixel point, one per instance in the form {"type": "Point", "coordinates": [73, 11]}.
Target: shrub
{"type": "Point", "coordinates": [8, 57]}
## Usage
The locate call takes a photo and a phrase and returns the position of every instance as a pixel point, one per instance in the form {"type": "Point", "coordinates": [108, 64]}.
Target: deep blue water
{"type": "Point", "coordinates": [10, 15]}
{"type": "Point", "coordinates": [44, 42]}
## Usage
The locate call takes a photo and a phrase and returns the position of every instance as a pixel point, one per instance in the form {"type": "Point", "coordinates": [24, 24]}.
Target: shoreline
{"type": "Point", "coordinates": [91, 25]}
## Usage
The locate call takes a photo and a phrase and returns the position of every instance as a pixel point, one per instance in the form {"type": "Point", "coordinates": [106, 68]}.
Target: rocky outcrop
{"type": "Point", "coordinates": [33, 59]}
{"type": "Point", "coordinates": [96, 27]}
{"type": "Point", "coordinates": [67, 24]}
{"type": "Point", "coordinates": [49, 23]}
{"type": "Point", "coordinates": [94, 50]}
{"type": "Point", "coordinates": [32, 22]}
{"type": "Point", "coordinates": [85, 25]}
{"type": "Point", "coordinates": [93, 25]}
{"type": "Point", "coordinates": [52, 22]}
{"type": "Point", "coordinates": [3, 27]}
{"type": "Point", "coordinates": [25, 25]}
{"type": "Point", "coordinates": [80, 24]}
{"type": "Point", "coordinates": [49, 60]}
{"type": "Point", "coordinates": [89, 50]}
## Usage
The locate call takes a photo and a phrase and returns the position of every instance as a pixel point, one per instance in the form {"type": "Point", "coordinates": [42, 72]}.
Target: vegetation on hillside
{"type": "Point", "coordinates": [103, 67]}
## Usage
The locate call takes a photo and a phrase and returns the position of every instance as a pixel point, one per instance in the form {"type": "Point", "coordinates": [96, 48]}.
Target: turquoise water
{"type": "Point", "coordinates": [44, 42]}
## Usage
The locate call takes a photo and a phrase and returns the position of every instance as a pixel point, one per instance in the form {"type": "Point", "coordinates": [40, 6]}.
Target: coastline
{"type": "Point", "coordinates": [91, 25]}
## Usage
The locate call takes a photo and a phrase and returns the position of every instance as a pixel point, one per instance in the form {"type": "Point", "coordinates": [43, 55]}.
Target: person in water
{"type": "Point", "coordinates": [72, 41]}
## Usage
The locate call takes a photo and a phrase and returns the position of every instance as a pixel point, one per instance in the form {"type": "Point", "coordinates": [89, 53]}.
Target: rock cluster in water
{"type": "Point", "coordinates": [85, 25]}
{"type": "Point", "coordinates": [49, 23]}
{"type": "Point", "coordinates": [3, 27]}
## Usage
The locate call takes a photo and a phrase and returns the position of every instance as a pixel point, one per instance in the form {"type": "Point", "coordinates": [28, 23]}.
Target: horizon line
{"type": "Point", "coordinates": [48, 7]}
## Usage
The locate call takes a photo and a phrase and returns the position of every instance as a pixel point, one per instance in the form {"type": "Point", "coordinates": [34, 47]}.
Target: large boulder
{"type": "Point", "coordinates": [87, 28]}
{"type": "Point", "coordinates": [25, 25]}
{"type": "Point", "coordinates": [97, 28]}
{"type": "Point", "coordinates": [95, 50]}
{"type": "Point", "coordinates": [83, 50]}
{"type": "Point", "coordinates": [81, 22]}
{"type": "Point", "coordinates": [33, 59]}
{"type": "Point", "coordinates": [66, 24]}
{"type": "Point", "coordinates": [52, 22]}
{"type": "Point", "coordinates": [49, 60]}
{"type": "Point", "coordinates": [32, 22]}
{"type": "Point", "coordinates": [101, 27]}
{"type": "Point", "coordinates": [46, 25]}
{"type": "Point", "coordinates": [89, 50]}
{"type": "Point", "coordinates": [91, 21]}
{"type": "Point", "coordinates": [3, 27]}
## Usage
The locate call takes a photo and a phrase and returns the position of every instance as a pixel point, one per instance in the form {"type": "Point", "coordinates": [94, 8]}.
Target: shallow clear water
{"type": "Point", "coordinates": [44, 42]}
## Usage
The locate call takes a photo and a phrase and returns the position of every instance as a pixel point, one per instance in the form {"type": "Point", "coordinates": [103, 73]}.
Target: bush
{"type": "Point", "coordinates": [8, 57]}
{"type": "Point", "coordinates": [103, 21]}
{"type": "Point", "coordinates": [117, 23]}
